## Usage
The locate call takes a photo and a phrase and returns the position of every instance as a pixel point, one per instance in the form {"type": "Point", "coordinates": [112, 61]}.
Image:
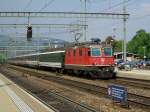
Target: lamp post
{"type": "Point", "coordinates": [114, 32]}
{"type": "Point", "coordinates": [111, 41]}
{"type": "Point", "coordinates": [124, 32]}
{"type": "Point", "coordinates": [144, 53]}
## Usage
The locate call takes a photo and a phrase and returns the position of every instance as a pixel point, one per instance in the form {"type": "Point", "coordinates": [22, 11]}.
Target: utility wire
{"type": "Point", "coordinates": [46, 5]}
{"type": "Point", "coordinates": [139, 17]}
{"type": "Point", "coordinates": [28, 4]}
{"type": "Point", "coordinates": [116, 5]}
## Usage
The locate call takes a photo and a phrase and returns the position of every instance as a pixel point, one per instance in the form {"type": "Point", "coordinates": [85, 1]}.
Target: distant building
{"type": "Point", "coordinates": [130, 56]}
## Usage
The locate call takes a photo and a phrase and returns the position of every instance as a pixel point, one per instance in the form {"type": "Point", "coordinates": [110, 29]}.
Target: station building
{"type": "Point", "coordinates": [130, 56]}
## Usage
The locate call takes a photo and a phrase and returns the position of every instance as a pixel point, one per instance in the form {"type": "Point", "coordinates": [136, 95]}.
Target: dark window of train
{"type": "Point", "coordinates": [80, 52]}
{"type": "Point", "coordinates": [89, 52]}
{"type": "Point", "coordinates": [74, 52]}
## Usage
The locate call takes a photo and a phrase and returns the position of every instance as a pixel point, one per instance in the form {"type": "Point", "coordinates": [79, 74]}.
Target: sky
{"type": "Point", "coordinates": [139, 11]}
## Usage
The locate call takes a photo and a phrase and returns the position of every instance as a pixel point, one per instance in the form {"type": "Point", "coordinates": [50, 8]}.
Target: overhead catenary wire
{"type": "Point", "coordinates": [46, 5]}
{"type": "Point", "coordinates": [132, 19]}
{"type": "Point", "coordinates": [127, 3]}
{"type": "Point", "coordinates": [116, 5]}
{"type": "Point", "coordinates": [28, 5]}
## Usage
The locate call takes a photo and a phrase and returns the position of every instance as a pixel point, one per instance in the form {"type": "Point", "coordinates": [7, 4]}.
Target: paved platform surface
{"type": "Point", "coordinates": [15, 99]}
{"type": "Point", "coordinates": [137, 74]}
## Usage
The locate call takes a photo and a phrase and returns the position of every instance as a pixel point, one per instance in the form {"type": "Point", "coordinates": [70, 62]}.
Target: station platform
{"type": "Point", "coordinates": [15, 99]}
{"type": "Point", "coordinates": [136, 74]}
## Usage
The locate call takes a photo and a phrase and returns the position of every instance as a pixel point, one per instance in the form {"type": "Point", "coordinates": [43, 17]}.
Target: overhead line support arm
{"type": "Point", "coordinates": [64, 15]}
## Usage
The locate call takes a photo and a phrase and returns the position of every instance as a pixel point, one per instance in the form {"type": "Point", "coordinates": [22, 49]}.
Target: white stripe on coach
{"type": "Point", "coordinates": [40, 53]}
{"type": "Point", "coordinates": [51, 64]}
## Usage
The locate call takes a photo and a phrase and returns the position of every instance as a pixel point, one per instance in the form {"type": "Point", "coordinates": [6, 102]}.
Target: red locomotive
{"type": "Point", "coordinates": [95, 60]}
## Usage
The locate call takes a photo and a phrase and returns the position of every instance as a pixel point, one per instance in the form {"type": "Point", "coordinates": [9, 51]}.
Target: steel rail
{"type": "Point", "coordinates": [144, 84]}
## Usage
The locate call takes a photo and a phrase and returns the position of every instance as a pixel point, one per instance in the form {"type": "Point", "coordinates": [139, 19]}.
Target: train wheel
{"type": "Point", "coordinates": [93, 75]}
{"type": "Point", "coordinates": [57, 71]}
{"type": "Point", "coordinates": [60, 71]}
{"type": "Point", "coordinates": [70, 72]}
{"type": "Point", "coordinates": [107, 75]}
{"type": "Point", "coordinates": [103, 75]}
{"type": "Point", "coordinates": [110, 75]}
{"type": "Point", "coordinates": [80, 73]}
{"type": "Point", "coordinates": [114, 75]}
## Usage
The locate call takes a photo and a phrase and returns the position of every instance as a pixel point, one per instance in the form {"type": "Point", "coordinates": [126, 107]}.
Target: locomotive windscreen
{"type": "Point", "coordinates": [95, 51]}
{"type": "Point", "coordinates": [107, 51]}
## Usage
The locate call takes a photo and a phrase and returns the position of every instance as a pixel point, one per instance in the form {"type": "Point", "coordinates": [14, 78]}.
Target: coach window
{"type": "Point", "coordinates": [80, 52]}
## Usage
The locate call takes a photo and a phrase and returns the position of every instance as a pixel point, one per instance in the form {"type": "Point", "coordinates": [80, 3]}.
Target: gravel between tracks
{"type": "Point", "coordinates": [105, 83]}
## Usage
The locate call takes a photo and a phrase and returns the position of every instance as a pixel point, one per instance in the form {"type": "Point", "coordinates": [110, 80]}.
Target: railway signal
{"type": "Point", "coordinates": [29, 32]}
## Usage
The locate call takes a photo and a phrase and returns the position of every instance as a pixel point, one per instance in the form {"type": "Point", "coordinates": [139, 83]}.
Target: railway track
{"type": "Point", "coordinates": [133, 99]}
{"type": "Point", "coordinates": [52, 99]}
{"type": "Point", "coordinates": [132, 82]}
{"type": "Point", "coordinates": [140, 100]}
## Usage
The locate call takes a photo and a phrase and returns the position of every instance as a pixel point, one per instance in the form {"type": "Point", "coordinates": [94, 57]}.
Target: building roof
{"type": "Point", "coordinates": [121, 53]}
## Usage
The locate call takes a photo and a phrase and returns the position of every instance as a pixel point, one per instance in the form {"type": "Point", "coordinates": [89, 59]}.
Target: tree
{"type": "Point", "coordinates": [117, 45]}
{"type": "Point", "coordinates": [138, 42]}
{"type": "Point", "coordinates": [109, 40]}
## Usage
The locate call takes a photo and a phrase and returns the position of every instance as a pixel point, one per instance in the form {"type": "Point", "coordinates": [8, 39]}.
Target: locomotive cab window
{"type": "Point", "coordinates": [107, 51]}
{"type": "Point", "coordinates": [95, 51]}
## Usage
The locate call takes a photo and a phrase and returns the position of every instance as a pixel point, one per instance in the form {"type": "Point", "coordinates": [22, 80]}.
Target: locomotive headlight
{"type": "Point", "coordinates": [95, 63]}
{"type": "Point", "coordinates": [102, 60]}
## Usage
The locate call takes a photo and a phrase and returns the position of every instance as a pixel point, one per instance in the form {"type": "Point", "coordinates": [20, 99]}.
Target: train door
{"type": "Point", "coordinates": [85, 56]}
{"type": "Point", "coordinates": [68, 56]}
{"type": "Point", "coordinates": [74, 56]}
